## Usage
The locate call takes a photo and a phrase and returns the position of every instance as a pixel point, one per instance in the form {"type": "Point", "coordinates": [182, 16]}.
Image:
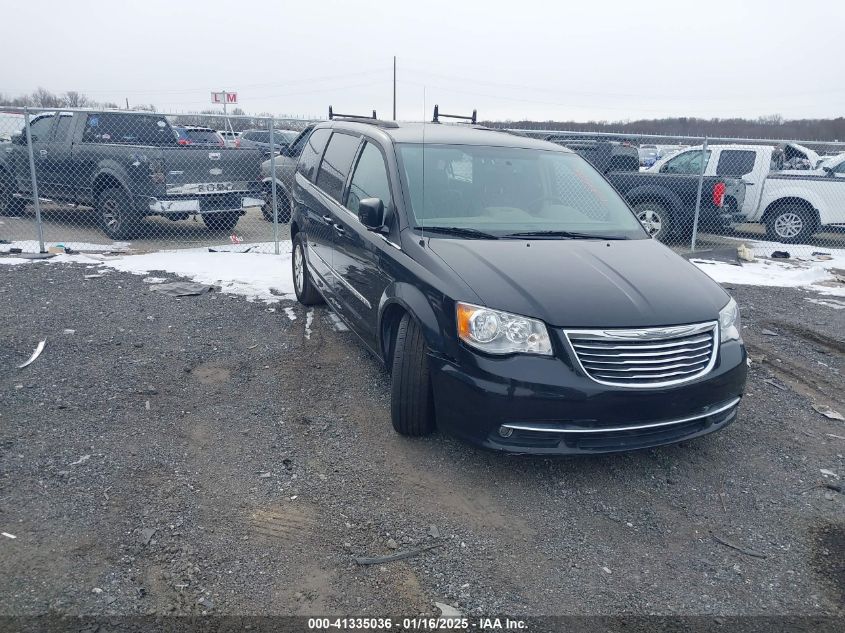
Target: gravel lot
{"type": "Point", "coordinates": [209, 454]}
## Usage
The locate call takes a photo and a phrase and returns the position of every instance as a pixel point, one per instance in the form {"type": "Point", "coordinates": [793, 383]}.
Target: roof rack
{"type": "Point", "coordinates": [437, 116]}
{"type": "Point", "coordinates": [357, 118]}
{"type": "Point", "coordinates": [337, 115]}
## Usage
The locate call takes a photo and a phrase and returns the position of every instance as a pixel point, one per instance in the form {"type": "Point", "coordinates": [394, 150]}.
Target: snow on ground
{"type": "Point", "coordinates": [814, 273]}
{"type": "Point", "coordinates": [257, 276]}
{"type": "Point", "coordinates": [266, 277]}
{"type": "Point", "coordinates": [31, 246]}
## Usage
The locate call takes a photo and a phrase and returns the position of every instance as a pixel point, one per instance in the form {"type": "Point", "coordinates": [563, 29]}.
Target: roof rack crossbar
{"type": "Point", "coordinates": [336, 115]}
{"type": "Point", "coordinates": [438, 115]}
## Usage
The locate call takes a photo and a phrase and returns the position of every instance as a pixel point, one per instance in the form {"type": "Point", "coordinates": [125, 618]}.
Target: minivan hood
{"type": "Point", "coordinates": [584, 283]}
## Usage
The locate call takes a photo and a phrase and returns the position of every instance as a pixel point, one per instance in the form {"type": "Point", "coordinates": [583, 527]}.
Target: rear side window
{"type": "Point", "coordinates": [733, 162]}
{"type": "Point", "coordinates": [336, 163]}
{"type": "Point", "coordinates": [369, 180]}
{"type": "Point", "coordinates": [128, 129]}
{"type": "Point", "coordinates": [310, 158]}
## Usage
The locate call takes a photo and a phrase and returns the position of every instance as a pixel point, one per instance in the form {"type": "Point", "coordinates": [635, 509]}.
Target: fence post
{"type": "Point", "coordinates": [273, 187]}
{"type": "Point", "coordinates": [698, 195]}
{"type": "Point", "coordinates": [35, 200]}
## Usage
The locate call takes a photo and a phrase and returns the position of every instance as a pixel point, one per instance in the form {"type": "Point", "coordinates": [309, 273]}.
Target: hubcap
{"type": "Point", "coordinates": [110, 214]}
{"type": "Point", "coordinates": [651, 221]}
{"type": "Point", "coordinates": [298, 268]}
{"type": "Point", "coordinates": [789, 225]}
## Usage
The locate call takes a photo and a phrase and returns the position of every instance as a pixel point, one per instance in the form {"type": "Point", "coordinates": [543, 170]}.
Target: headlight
{"type": "Point", "coordinates": [729, 322]}
{"type": "Point", "coordinates": [497, 332]}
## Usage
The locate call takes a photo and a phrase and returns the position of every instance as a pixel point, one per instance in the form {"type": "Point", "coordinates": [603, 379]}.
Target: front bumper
{"type": "Point", "coordinates": [225, 204]}
{"type": "Point", "coordinates": [528, 404]}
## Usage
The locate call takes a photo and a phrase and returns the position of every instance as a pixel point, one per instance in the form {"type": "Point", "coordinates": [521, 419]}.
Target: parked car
{"type": "Point", "coordinates": [793, 205]}
{"type": "Point", "coordinates": [664, 203]}
{"type": "Point", "coordinates": [285, 170]}
{"type": "Point", "coordinates": [511, 292]}
{"type": "Point", "coordinates": [260, 139]}
{"type": "Point", "coordinates": [605, 155]}
{"type": "Point", "coordinates": [197, 136]}
{"type": "Point", "coordinates": [230, 137]}
{"type": "Point", "coordinates": [649, 154]}
{"type": "Point", "coordinates": [128, 165]}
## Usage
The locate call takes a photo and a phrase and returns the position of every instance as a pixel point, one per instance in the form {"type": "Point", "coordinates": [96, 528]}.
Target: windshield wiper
{"type": "Point", "coordinates": [571, 235]}
{"type": "Point", "coordinates": [458, 231]}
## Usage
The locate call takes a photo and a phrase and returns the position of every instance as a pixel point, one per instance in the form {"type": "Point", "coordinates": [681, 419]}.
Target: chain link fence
{"type": "Point", "coordinates": [100, 180]}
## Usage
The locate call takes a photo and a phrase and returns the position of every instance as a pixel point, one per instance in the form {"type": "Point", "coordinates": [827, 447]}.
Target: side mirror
{"type": "Point", "coordinates": [371, 213]}
{"type": "Point", "coordinates": [828, 171]}
{"type": "Point", "coordinates": [20, 139]}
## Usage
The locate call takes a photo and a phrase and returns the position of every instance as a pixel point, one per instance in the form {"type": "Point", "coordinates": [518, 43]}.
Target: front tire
{"type": "Point", "coordinates": [282, 205]}
{"type": "Point", "coordinates": [655, 218]}
{"type": "Point", "coordinates": [118, 220]}
{"type": "Point", "coordinates": [221, 221]}
{"type": "Point", "coordinates": [411, 397]}
{"type": "Point", "coordinates": [306, 293]}
{"type": "Point", "coordinates": [9, 205]}
{"type": "Point", "coordinates": [790, 224]}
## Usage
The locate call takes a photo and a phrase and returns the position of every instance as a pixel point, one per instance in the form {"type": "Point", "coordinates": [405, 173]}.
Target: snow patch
{"type": "Point", "coordinates": [819, 273]}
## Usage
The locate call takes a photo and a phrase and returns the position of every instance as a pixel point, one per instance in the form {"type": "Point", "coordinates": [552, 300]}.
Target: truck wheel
{"type": "Point", "coordinates": [118, 219]}
{"type": "Point", "coordinates": [9, 205]}
{"type": "Point", "coordinates": [790, 224]}
{"type": "Point", "coordinates": [411, 399]}
{"type": "Point", "coordinates": [304, 288]}
{"type": "Point", "coordinates": [221, 221]}
{"type": "Point", "coordinates": [655, 218]}
{"type": "Point", "coordinates": [282, 204]}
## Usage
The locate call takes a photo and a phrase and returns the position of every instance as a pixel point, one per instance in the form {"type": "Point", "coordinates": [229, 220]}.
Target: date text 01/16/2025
{"type": "Point", "coordinates": [416, 623]}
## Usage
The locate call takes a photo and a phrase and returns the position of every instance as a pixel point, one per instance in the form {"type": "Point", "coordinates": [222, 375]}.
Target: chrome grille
{"type": "Point", "coordinates": [647, 357]}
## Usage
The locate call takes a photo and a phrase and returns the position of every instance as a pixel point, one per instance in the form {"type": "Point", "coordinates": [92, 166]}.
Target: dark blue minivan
{"type": "Point", "coordinates": [511, 292]}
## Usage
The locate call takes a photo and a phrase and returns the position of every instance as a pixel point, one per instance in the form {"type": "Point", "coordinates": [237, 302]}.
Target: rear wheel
{"type": "Point", "coordinates": [304, 288]}
{"type": "Point", "coordinates": [117, 218]}
{"type": "Point", "coordinates": [790, 224]}
{"type": "Point", "coordinates": [655, 218]}
{"type": "Point", "coordinates": [221, 221]}
{"type": "Point", "coordinates": [411, 398]}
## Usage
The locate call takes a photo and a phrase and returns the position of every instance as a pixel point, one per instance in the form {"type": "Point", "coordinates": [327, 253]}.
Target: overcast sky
{"type": "Point", "coordinates": [583, 60]}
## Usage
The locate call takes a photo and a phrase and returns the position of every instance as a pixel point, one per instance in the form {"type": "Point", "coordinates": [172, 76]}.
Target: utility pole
{"type": "Point", "coordinates": [394, 87]}
{"type": "Point", "coordinates": [127, 103]}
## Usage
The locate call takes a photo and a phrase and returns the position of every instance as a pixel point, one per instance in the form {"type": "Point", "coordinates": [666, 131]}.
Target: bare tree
{"type": "Point", "coordinates": [74, 99]}
{"type": "Point", "coordinates": [43, 98]}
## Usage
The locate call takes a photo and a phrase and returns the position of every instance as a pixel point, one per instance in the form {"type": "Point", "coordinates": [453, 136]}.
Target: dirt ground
{"type": "Point", "coordinates": [212, 455]}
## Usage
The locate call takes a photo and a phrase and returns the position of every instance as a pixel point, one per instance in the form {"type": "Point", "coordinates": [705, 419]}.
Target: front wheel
{"type": "Point", "coordinates": [9, 204]}
{"type": "Point", "coordinates": [282, 205]}
{"type": "Point", "coordinates": [655, 219]}
{"type": "Point", "coordinates": [411, 397]}
{"type": "Point", "coordinates": [304, 288]}
{"type": "Point", "coordinates": [790, 224]}
{"type": "Point", "coordinates": [221, 221]}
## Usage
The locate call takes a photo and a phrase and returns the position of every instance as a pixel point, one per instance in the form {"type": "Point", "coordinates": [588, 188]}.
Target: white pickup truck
{"type": "Point", "coordinates": [793, 204]}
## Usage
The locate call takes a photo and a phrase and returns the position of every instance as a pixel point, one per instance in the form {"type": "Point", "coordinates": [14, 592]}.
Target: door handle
{"type": "Point", "coordinates": [340, 230]}
{"type": "Point", "coordinates": [327, 219]}
{"type": "Point", "coordinates": [42, 152]}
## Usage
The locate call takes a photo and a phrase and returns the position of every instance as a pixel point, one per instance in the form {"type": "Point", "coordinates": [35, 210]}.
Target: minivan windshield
{"type": "Point", "coordinates": [511, 192]}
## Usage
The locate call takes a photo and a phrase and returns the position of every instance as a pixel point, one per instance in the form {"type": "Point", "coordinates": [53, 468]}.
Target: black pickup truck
{"type": "Point", "coordinates": [128, 165]}
{"type": "Point", "coordinates": [664, 203]}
